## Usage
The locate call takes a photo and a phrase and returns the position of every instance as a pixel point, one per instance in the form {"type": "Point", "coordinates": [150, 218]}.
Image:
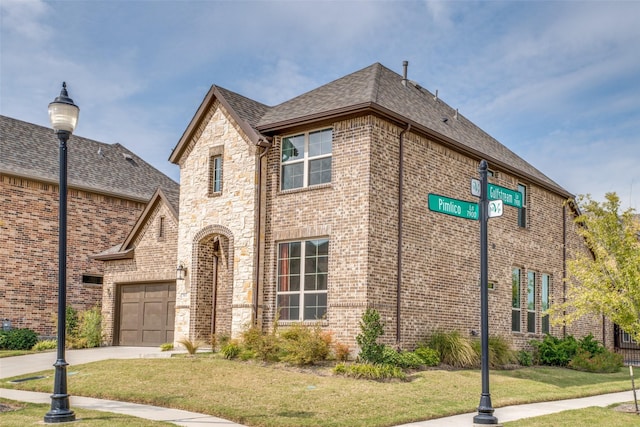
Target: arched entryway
{"type": "Point", "coordinates": [212, 283]}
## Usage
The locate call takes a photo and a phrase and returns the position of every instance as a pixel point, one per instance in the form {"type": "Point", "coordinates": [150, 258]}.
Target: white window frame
{"type": "Point", "coordinates": [305, 159]}
{"type": "Point", "coordinates": [516, 306]}
{"type": "Point", "coordinates": [283, 278]}
{"type": "Point", "coordinates": [531, 302]}
{"type": "Point", "coordinates": [522, 212]}
{"type": "Point", "coordinates": [545, 301]}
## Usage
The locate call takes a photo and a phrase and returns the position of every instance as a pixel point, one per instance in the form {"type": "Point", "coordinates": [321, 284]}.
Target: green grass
{"type": "Point", "coordinates": [262, 395]}
{"type": "Point", "coordinates": [593, 416]}
{"type": "Point", "coordinates": [11, 353]}
{"type": "Point", "coordinates": [28, 414]}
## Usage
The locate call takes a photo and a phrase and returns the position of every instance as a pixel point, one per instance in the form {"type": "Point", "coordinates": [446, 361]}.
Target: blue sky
{"type": "Point", "coordinates": [556, 82]}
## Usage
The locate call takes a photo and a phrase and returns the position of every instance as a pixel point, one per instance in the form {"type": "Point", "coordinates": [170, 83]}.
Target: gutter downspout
{"type": "Point", "coordinates": [400, 227]}
{"type": "Point", "coordinates": [258, 231]}
{"type": "Point", "coordinates": [564, 265]}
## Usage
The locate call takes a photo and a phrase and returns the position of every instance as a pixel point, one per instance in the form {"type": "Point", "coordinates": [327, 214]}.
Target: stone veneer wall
{"type": "Point", "coordinates": [233, 211]}
{"type": "Point", "coordinates": [29, 267]}
{"type": "Point", "coordinates": [155, 261]}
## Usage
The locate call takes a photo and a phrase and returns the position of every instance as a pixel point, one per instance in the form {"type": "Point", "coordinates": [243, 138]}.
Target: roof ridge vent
{"type": "Point", "coordinates": [127, 156]}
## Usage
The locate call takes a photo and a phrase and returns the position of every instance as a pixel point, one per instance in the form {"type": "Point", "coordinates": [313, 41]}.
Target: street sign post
{"type": "Point", "coordinates": [454, 207]}
{"type": "Point", "coordinates": [485, 408]}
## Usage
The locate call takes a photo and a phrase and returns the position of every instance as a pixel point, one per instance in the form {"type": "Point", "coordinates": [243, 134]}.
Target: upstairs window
{"type": "Point", "coordinates": [215, 174]}
{"type": "Point", "coordinates": [522, 212]}
{"type": "Point", "coordinates": [161, 228]}
{"type": "Point", "coordinates": [306, 159]}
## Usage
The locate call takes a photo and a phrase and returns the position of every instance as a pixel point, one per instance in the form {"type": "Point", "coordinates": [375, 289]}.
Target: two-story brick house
{"type": "Point", "coordinates": [109, 187]}
{"type": "Point", "coordinates": [317, 208]}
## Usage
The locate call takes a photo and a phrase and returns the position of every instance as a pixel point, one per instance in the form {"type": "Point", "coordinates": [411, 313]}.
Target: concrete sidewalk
{"type": "Point", "coordinates": [175, 416]}
{"type": "Point", "coordinates": [517, 412]}
{"type": "Point", "coordinates": [22, 365]}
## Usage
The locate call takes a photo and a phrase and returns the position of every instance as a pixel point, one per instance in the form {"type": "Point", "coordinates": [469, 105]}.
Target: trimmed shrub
{"type": "Point", "coordinates": [371, 328]}
{"type": "Point", "coordinates": [230, 350]}
{"type": "Point", "coordinates": [454, 349]}
{"type": "Point", "coordinates": [554, 351]}
{"type": "Point", "coordinates": [341, 351]}
{"type": "Point", "coordinates": [71, 317]}
{"type": "Point", "coordinates": [601, 362]}
{"type": "Point", "coordinates": [525, 358]}
{"type": "Point", "coordinates": [369, 371]}
{"type": "Point", "coordinates": [428, 356]}
{"type": "Point", "coordinates": [45, 345]}
{"type": "Point", "coordinates": [401, 359]}
{"type": "Point", "coordinates": [267, 347]}
{"type": "Point", "coordinates": [192, 346]}
{"type": "Point", "coordinates": [90, 327]}
{"type": "Point", "coordinates": [18, 339]}
{"type": "Point", "coordinates": [302, 345]}
{"type": "Point", "coordinates": [168, 346]}
{"type": "Point", "coordinates": [590, 345]}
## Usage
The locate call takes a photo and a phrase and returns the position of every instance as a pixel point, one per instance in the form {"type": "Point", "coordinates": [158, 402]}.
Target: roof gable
{"type": "Point", "coordinates": [32, 151]}
{"type": "Point", "coordinates": [244, 111]}
{"type": "Point", "coordinates": [374, 89]}
{"type": "Point", "coordinates": [169, 198]}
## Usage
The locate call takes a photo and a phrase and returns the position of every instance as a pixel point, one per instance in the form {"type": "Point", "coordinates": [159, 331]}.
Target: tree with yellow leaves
{"type": "Point", "coordinates": [607, 280]}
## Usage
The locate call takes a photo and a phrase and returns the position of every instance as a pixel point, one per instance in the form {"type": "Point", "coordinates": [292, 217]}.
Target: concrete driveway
{"type": "Point", "coordinates": [22, 365]}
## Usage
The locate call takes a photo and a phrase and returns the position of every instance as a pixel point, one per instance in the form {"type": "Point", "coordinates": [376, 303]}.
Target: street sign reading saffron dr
{"type": "Point", "coordinates": [453, 207]}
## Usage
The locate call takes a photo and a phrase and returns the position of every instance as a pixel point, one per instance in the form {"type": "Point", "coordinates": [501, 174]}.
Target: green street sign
{"type": "Point", "coordinates": [508, 197]}
{"type": "Point", "coordinates": [453, 207]}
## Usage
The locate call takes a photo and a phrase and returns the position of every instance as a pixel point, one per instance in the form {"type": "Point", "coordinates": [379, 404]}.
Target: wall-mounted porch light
{"type": "Point", "coordinates": [181, 272]}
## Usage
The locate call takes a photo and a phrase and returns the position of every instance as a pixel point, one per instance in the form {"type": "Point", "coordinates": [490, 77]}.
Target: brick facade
{"type": "Point", "coordinates": [154, 262]}
{"type": "Point", "coordinates": [420, 270]}
{"type": "Point", "coordinates": [439, 286]}
{"type": "Point", "coordinates": [358, 213]}
{"type": "Point", "coordinates": [29, 226]}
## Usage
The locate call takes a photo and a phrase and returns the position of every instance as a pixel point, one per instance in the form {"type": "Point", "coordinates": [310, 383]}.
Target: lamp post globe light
{"type": "Point", "coordinates": [63, 114]}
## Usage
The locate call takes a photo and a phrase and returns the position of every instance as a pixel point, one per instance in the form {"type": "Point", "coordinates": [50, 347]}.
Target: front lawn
{"type": "Point", "coordinates": [266, 395]}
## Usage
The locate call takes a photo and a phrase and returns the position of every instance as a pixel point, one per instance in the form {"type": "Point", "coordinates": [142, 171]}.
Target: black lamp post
{"type": "Point", "coordinates": [63, 114]}
{"type": "Point", "coordinates": [485, 410]}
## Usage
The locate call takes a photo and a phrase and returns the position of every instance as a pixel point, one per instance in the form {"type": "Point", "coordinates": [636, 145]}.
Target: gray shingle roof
{"type": "Point", "coordinates": [32, 151]}
{"type": "Point", "coordinates": [381, 89]}
{"type": "Point", "coordinates": [247, 109]}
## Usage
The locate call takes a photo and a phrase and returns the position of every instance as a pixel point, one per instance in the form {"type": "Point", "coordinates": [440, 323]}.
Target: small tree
{"type": "Point", "coordinates": [372, 328]}
{"type": "Point", "coordinates": [607, 280]}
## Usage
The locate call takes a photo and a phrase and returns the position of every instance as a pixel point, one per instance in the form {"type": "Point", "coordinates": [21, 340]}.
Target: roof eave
{"type": "Point", "coordinates": [71, 185]}
{"type": "Point", "coordinates": [275, 127]}
{"type": "Point", "coordinates": [127, 254]}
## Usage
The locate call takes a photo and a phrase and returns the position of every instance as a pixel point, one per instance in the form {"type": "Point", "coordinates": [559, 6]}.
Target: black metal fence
{"type": "Point", "coordinates": [627, 347]}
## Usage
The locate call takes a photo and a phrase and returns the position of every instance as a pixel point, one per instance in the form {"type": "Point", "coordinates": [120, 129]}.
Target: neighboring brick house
{"type": "Point", "coordinates": [109, 187]}
{"type": "Point", "coordinates": [317, 208]}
